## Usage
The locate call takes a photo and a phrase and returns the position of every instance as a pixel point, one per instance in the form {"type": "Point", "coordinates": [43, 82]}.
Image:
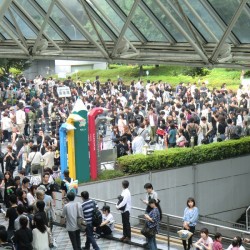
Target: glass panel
{"type": "Point", "coordinates": [207, 18]}
{"type": "Point", "coordinates": [114, 17]}
{"type": "Point", "coordinates": [32, 11]}
{"type": "Point", "coordinates": [67, 27]}
{"type": "Point", "coordinates": [125, 5]}
{"type": "Point", "coordinates": [142, 21]}
{"type": "Point", "coordinates": [242, 26]}
{"type": "Point", "coordinates": [165, 20]}
{"type": "Point", "coordinates": [27, 32]}
{"type": "Point", "coordinates": [4, 34]}
{"type": "Point", "coordinates": [146, 26]}
{"type": "Point", "coordinates": [77, 9]}
{"type": "Point", "coordinates": [43, 3]}
{"type": "Point", "coordinates": [49, 31]}
{"type": "Point", "coordinates": [195, 21]}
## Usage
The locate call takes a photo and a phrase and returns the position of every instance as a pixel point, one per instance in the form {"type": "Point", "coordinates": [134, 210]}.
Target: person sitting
{"type": "Point", "coordinates": [107, 225]}
{"type": "Point", "coordinates": [205, 242]}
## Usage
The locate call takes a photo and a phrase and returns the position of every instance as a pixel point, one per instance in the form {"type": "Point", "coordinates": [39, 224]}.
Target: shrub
{"type": "Point", "coordinates": [177, 157]}
{"type": "Point", "coordinates": [110, 174]}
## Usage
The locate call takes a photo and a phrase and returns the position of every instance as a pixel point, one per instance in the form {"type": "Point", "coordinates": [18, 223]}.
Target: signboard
{"type": "Point", "coordinates": [63, 91]}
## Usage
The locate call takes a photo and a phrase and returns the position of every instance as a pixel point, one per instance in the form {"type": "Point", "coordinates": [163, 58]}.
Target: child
{"type": "Point", "coordinates": [235, 245]}
{"type": "Point", "coordinates": [217, 242]}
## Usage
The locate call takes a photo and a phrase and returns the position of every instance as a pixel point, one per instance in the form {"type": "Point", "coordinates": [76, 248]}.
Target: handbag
{"type": "Point", "coordinates": [120, 199]}
{"type": "Point", "coordinates": [184, 234]}
{"type": "Point", "coordinates": [81, 223]}
{"type": "Point", "coordinates": [148, 232]}
{"type": "Point", "coordinates": [160, 131]}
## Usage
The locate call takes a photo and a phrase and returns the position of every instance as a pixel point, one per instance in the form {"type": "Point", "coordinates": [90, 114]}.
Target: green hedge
{"type": "Point", "coordinates": [177, 157]}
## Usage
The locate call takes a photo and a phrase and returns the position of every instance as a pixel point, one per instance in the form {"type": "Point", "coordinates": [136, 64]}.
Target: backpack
{"type": "Point", "coordinates": [96, 217]}
{"type": "Point", "coordinates": [193, 131]}
{"type": "Point", "coordinates": [71, 186]}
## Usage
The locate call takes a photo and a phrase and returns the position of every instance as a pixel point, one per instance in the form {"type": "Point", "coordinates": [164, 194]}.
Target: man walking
{"type": "Point", "coordinates": [88, 207]}
{"type": "Point", "coordinates": [126, 212]}
{"type": "Point", "coordinates": [71, 211]}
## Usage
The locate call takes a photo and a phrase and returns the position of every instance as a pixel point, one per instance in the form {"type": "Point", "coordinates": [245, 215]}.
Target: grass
{"type": "Point", "coordinates": [110, 174]}
{"type": "Point", "coordinates": [170, 74]}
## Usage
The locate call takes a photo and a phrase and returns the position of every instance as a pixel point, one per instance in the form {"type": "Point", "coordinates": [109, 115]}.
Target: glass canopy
{"type": "Point", "coordinates": [194, 32]}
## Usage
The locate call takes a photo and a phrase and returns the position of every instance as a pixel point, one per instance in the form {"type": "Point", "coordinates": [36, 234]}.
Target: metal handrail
{"type": "Point", "coordinates": [247, 218]}
{"type": "Point", "coordinates": [180, 218]}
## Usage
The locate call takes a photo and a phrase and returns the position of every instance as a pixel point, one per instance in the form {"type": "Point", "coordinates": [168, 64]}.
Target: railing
{"type": "Point", "coordinates": [247, 220]}
{"type": "Point", "coordinates": [170, 224]}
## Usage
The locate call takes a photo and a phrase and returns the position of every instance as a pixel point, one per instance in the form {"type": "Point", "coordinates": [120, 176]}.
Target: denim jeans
{"type": "Point", "coordinates": [75, 239]}
{"type": "Point", "coordinates": [90, 238]}
{"type": "Point", "coordinates": [152, 243]}
{"type": "Point", "coordinates": [20, 163]}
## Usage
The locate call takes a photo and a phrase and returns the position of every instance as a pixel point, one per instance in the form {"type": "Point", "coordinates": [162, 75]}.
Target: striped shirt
{"type": "Point", "coordinates": [87, 209]}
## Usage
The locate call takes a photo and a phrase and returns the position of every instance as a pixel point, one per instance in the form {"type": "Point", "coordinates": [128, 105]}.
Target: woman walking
{"type": "Point", "coordinates": [190, 218]}
{"type": "Point", "coordinates": [152, 221]}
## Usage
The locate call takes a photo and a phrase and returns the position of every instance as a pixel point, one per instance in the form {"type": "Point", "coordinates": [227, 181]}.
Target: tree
{"type": "Point", "coordinates": [19, 64]}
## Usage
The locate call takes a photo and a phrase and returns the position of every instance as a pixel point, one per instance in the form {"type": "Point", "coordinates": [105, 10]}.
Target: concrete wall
{"type": "Point", "coordinates": [45, 68]}
{"type": "Point", "coordinates": [221, 188]}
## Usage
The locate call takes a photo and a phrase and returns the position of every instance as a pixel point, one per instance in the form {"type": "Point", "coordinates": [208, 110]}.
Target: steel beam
{"type": "Point", "coordinates": [45, 21]}
{"type": "Point", "coordinates": [218, 20]}
{"type": "Point", "coordinates": [122, 15]}
{"type": "Point", "coordinates": [228, 30]}
{"type": "Point", "coordinates": [4, 6]}
{"type": "Point", "coordinates": [85, 8]}
{"type": "Point", "coordinates": [186, 20]}
{"type": "Point", "coordinates": [125, 26]}
{"type": "Point", "coordinates": [98, 19]}
{"type": "Point", "coordinates": [111, 23]}
{"type": "Point", "coordinates": [18, 29]}
{"type": "Point", "coordinates": [201, 20]}
{"type": "Point", "coordinates": [81, 28]}
{"type": "Point", "coordinates": [12, 35]}
{"type": "Point", "coordinates": [55, 26]}
{"type": "Point", "coordinates": [157, 22]}
{"type": "Point", "coordinates": [181, 29]}
{"type": "Point", "coordinates": [30, 21]}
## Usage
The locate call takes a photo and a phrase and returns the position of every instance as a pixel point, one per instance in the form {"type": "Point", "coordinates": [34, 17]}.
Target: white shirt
{"type": "Point", "coordinates": [110, 219]}
{"type": "Point", "coordinates": [36, 156]}
{"type": "Point", "coordinates": [20, 117]}
{"type": "Point", "coordinates": [126, 200]}
{"type": "Point", "coordinates": [40, 240]}
{"type": "Point", "coordinates": [137, 144]}
{"type": "Point", "coordinates": [6, 123]}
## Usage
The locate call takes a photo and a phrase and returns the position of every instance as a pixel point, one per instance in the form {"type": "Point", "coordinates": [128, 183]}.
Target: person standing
{"type": "Point", "coordinates": [71, 211]}
{"type": "Point", "coordinates": [152, 221]}
{"type": "Point", "coordinates": [126, 212]}
{"type": "Point", "coordinates": [190, 218]}
{"type": "Point", "coordinates": [150, 194]}
{"type": "Point", "coordinates": [20, 118]}
{"type": "Point", "coordinates": [88, 207]}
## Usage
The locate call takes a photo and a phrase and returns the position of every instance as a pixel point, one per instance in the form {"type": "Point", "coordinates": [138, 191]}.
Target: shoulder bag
{"type": "Point", "coordinates": [81, 223]}
{"type": "Point", "coordinates": [148, 232]}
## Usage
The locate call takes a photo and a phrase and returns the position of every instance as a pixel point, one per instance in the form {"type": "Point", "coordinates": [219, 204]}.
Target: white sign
{"type": "Point", "coordinates": [62, 75]}
{"type": "Point", "coordinates": [63, 91]}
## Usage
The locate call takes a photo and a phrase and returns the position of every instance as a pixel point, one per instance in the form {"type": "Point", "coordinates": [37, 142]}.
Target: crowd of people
{"type": "Point", "coordinates": [150, 112]}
